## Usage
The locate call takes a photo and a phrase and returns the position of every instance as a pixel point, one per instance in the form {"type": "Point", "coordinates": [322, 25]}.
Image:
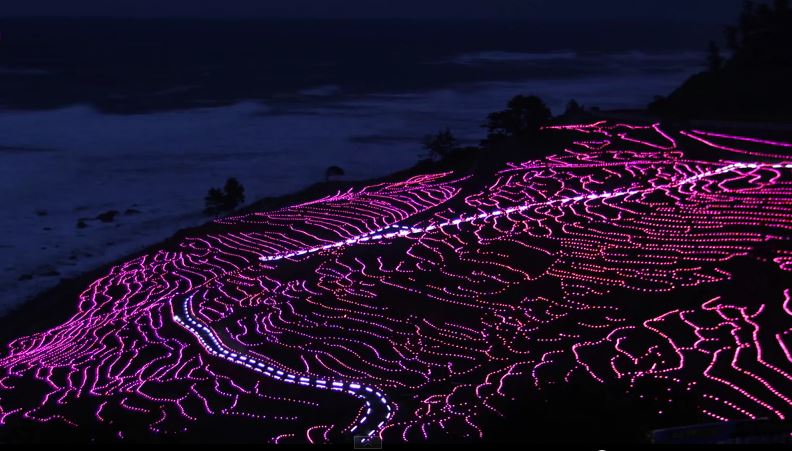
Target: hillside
{"type": "Point", "coordinates": [753, 83]}
{"type": "Point", "coordinates": [620, 279]}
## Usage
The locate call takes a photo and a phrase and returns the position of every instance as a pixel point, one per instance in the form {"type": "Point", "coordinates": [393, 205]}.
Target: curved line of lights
{"type": "Point", "coordinates": [379, 234]}
{"type": "Point", "coordinates": [377, 405]}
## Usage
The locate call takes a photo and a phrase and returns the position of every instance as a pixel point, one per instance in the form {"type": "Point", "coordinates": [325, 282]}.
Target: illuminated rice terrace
{"type": "Point", "coordinates": [422, 309]}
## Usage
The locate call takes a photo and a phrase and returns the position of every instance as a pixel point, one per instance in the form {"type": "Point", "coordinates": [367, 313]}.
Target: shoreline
{"type": "Point", "coordinates": [54, 305]}
{"type": "Point", "coordinates": [552, 404]}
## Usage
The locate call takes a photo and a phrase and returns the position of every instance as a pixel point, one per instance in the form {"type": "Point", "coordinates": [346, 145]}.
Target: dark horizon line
{"type": "Point", "coordinates": [521, 20]}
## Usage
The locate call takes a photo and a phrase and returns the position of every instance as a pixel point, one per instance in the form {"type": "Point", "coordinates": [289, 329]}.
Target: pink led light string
{"type": "Point", "coordinates": [569, 268]}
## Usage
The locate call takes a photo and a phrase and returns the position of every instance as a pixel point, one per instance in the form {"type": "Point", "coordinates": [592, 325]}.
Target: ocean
{"type": "Point", "coordinates": [144, 116]}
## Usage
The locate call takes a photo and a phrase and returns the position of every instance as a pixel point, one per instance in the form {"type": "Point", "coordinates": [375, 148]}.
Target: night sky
{"type": "Point", "coordinates": [705, 11]}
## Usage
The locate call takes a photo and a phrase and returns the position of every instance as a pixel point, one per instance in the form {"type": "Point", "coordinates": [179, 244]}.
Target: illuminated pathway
{"type": "Point", "coordinates": [378, 410]}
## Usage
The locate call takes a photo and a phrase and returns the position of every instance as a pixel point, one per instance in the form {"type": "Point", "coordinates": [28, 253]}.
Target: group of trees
{"type": "Point", "coordinates": [226, 199]}
{"type": "Point", "coordinates": [762, 35]}
{"type": "Point", "coordinates": [521, 120]}
{"type": "Point", "coordinates": [756, 76]}
{"type": "Point", "coordinates": [763, 32]}
{"type": "Point", "coordinates": [753, 82]}
{"type": "Point", "coordinates": [523, 117]}
{"type": "Point", "coordinates": [440, 145]}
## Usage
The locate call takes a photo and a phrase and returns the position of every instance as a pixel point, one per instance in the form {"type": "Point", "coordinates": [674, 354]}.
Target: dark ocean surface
{"type": "Point", "coordinates": [144, 116]}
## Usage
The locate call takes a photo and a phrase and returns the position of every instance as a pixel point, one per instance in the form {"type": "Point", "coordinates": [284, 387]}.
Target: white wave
{"type": "Point", "coordinates": [507, 57]}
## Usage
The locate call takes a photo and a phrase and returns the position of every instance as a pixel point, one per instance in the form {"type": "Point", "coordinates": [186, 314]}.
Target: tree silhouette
{"type": "Point", "coordinates": [234, 193]}
{"type": "Point", "coordinates": [333, 171]}
{"type": "Point", "coordinates": [764, 14]}
{"type": "Point", "coordinates": [747, 17]}
{"type": "Point", "coordinates": [754, 81]}
{"type": "Point", "coordinates": [714, 58]}
{"type": "Point", "coordinates": [732, 37]}
{"type": "Point", "coordinates": [215, 201]}
{"type": "Point", "coordinates": [573, 108]}
{"type": "Point", "coordinates": [441, 144]}
{"type": "Point", "coordinates": [524, 116]}
{"type": "Point", "coordinates": [227, 199]}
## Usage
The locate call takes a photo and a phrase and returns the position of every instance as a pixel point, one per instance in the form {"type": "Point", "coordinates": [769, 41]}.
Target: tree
{"type": "Point", "coordinates": [333, 171]}
{"type": "Point", "coordinates": [753, 79]}
{"type": "Point", "coordinates": [764, 14]}
{"type": "Point", "coordinates": [732, 37]}
{"type": "Point", "coordinates": [747, 18]}
{"type": "Point", "coordinates": [524, 116]}
{"type": "Point", "coordinates": [714, 58]}
{"type": "Point", "coordinates": [234, 193]}
{"type": "Point", "coordinates": [215, 201]}
{"type": "Point", "coordinates": [227, 199]}
{"type": "Point", "coordinates": [573, 108]}
{"type": "Point", "coordinates": [659, 105]}
{"type": "Point", "coordinates": [441, 144]}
